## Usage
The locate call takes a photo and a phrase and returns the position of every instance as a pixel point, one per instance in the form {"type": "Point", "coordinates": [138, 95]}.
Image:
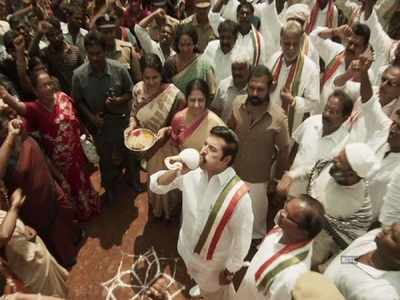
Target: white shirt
{"type": "Point", "coordinates": [377, 125]}
{"type": "Point", "coordinates": [390, 212]}
{"type": "Point", "coordinates": [149, 45]}
{"type": "Point", "coordinates": [220, 61]}
{"type": "Point", "coordinates": [308, 95]}
{"type": "Point", "coordinates": [357, 281]}
{"type": "Point", "coordinates": [243, 42]}
{"type": "Point", "coordinates": [323, 14]}
{"type": "Point", "coordinates": [284, 281]}
{"type": "Point", "coordinates": [384, 46]}
{"type": "Point", "coordinates": [199, 196]}
{"type": "Point", "coordinates": [226, 93]}
{"type": "Point", "coordinates": [313, 146]}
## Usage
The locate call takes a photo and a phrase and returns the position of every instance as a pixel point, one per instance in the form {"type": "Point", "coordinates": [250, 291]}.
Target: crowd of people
{"type": "Point", "coordinates": [293, 106]}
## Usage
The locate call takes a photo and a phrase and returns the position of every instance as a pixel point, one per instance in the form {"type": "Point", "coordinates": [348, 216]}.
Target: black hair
{"type": "Point", "coordinates": [8, 39]}
{"type": "Point", "coordinates": [313, 217]}
{"type": "Point", "coordinates": [94, 38]}
{"type": "Point", "coordinates": [34, 76]}
{"type": "Point", "coordinates": [260, 71]}
{"type": "Point", "coordinates": [230, 26]}
{"type": "Point", "coordinates": [363, 30]}
{"type": "Point", "coordinates": [53, 21]}
{"type": "Point", "coordinates": [245, 4]}
{"type": "Point", "coordinates": [185, 29]}
{"type": "Point", "coordinates": [152, 61]}
{"type": "Point", "coordinates": [345, 101]}
{"type": "Point", "coordinates": [231, 140]}
{"type": "Point", "coordinates": [201, 85]}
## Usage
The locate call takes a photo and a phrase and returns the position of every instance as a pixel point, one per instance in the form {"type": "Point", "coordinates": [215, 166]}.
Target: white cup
{"type": "Point", "coordinates": [190, 157]}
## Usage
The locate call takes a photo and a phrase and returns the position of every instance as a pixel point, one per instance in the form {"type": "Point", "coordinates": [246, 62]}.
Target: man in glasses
{"type": "Point", "coordinates": [285, 252]}
{"type": "Point", "coordinates": [382, 122]}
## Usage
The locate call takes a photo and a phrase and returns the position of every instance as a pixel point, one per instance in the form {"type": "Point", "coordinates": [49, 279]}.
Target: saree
{"type": "Point", "coordinates": [46, 208]}
{"type": "Point", "coordinates": [33, 264]}
{"type": "Point", "coordinates": [182, 136]}
{"type": "Point", "coordinates": [60, 132]}
{"type": "Point", "coordinates": [199, 68]}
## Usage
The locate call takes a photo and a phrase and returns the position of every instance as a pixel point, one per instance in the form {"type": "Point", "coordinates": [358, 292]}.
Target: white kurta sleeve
{"type": "Point", "coordinates": [241, 227]}
{"type": "Point", "coordinates": [310, 98]}
{"type": "Point", "coordinates": [380, 40]}
{"type": "Point", "coordinates": [347, 7]}
{"type": "Point", "coordinates": [163, 189]}
{"type": "Point", "coordinates": [147, 44]}
{"type": "Point", "coordinates": [390, 212]}
{"type": "Point", "coordinates": [375, 118]}
{"type": "Point", "coordinates": [327, 49]}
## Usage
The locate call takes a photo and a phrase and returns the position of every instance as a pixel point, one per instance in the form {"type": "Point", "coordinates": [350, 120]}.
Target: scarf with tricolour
{"type": "Point", "coordinates": [256, 41]}
{"type": "Point", "coordinates": [288, 256]}
{"type": "Point", "coordinates": [221, 213]}
{"type": "Point", "coordinates": [292, 82]}
{"type": "Point", "coordinates": [314, 15]}
{"type": "Point", "coordinates": [331, 68]}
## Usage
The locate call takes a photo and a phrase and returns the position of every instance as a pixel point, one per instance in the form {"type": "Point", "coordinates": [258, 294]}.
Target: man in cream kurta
{"type": "Point", "coordinates": [201, 188]}
{"type": "Point", "coordinates": [304, 98]}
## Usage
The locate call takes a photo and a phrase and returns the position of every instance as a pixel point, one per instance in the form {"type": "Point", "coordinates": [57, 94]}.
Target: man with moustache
{"type": "Point", "coordinates": [341, 62]}
{"type": "Point", "coordinates": [341, 186]}
{"type": "Point", "coordinates": [319, 137]}
{"type": "Point", "coordinates": [216, 215]}
{"type": "Point", "coordinates": [262, 129]}
{"type": "Point", "coordinates": [296, 77]}
{"type": "Point", "coordinates": [219, 52]}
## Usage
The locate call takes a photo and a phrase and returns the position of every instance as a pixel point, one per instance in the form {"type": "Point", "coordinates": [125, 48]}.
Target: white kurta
{"type": "Point", "coordinates": [357, 281]}
{"type": "Point", "coordinates": [377, 124]}
{"type": "Point", "coordinates": [199, 195]}
{"type": "Point", "coordinates": [284, 281]}
{"type": "Point", "coordinates": [149, 45]}
{"type": "Point", "coordinates": [244, 42]}
{"type": "Point", "coordinates": [384, 46]}
{"type": "Point", "coordinates": [312, 146]}
{"type": "Point", "coordinates": [390, 212]}
{"type": "Point", "coordinates": [220, 61]}
{"type": "Point", "coordinates": [308, 95]}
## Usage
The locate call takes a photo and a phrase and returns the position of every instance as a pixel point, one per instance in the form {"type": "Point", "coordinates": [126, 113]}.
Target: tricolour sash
{"type": "Point", "coordinates": [219, 217]}
{"type": "Point", "coordinates": [292, 83]}
{"type": "Point", "coordinates": [314, 15]}
{"type": "Point", "coordinates": [286, 257]}
{"type": "Point", "coordinates": [331, 68]}
{"type": "Point", "coordinates": [255, 38]}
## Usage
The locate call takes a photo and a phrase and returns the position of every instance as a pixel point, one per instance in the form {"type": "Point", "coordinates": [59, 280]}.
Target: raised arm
{"type": "Point", "coordinates": [12, 101]}
{"type": "Point", "coordinates": [8, 226]}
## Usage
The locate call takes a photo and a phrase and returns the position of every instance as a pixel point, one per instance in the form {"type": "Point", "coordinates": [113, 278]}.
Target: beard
{"type": "Point", "coordinates": [255, 100]}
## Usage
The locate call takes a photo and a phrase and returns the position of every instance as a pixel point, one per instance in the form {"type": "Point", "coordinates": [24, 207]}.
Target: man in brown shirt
{"type": "Point", "coordinates": [262, 128]}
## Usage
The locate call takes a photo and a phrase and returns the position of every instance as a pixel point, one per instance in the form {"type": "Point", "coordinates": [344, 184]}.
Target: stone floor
{"type": "Point", "coordinates": [121, 228]}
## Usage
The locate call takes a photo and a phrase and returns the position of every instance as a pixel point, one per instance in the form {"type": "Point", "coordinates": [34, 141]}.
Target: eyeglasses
{"type": "Point", "coordinates": [390, 83]}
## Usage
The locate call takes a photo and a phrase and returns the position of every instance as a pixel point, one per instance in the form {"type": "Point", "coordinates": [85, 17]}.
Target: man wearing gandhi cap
{"type": "Point", "coordinates": [342, 188]}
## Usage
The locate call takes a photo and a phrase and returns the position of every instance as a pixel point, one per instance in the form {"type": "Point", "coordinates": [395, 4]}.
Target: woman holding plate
{"type": "Point", "coordinates": [154, 103]}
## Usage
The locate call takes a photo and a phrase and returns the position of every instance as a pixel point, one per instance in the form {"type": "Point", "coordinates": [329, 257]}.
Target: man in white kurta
{"type": "Point", "coordinates": [200, 192]}
{"type": "Point", "coordinates": [381, 135]}
{"type": "Point", "coordinates": [321, 137]}
{"type": "Point", "coordinates": [357, 280]}
{"type": "Point", "coordinates": [338, 58]}
{"type": "Point", "coordinates": [323, 13]}
{"type": "Point", "coordinates": [386, 50]}
{"type": "Point", "coordinates": [218, 52]}
{"type": "Point", "coordinates": [303, 95]}
{"type": "Point", "coordinates": [274, 269]}
{"type": "Point", "coordinates": [249, 38]}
